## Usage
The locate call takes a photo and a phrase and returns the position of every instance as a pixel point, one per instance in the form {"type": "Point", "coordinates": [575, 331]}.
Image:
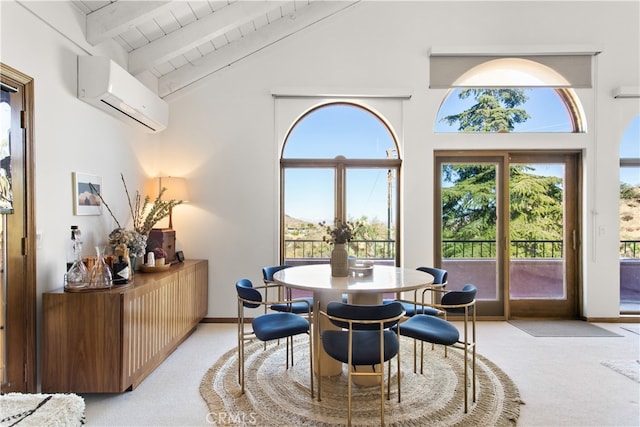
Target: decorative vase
{"type": "Point", "coordinates": [133, 263]}
{"type": "Point", "coordinates": [159, 262]}
{"type": "Point", "coordinates": [136, 262]}
{"type": "Point", "coordinates": [339, 261]}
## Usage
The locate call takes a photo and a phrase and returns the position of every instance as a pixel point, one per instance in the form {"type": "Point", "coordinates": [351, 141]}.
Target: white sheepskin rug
{"type": "Point", "coordinates": [20, 410]}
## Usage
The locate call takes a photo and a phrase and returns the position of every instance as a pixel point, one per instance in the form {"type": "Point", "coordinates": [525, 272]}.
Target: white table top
{"type": "Point", "coordinates": [317, 278]}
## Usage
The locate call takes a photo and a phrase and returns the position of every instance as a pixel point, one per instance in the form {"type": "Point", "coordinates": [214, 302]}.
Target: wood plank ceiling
{"type": "Point", "coordinates": [181, 42]}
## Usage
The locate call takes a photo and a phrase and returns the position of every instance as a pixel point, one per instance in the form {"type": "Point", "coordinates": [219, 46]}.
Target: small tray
{"type": "Point", "coordinates": [88, 289]}
{"type": "Point", "coordinates": [364, 270]}
{"type": "Point", "coordinates": [154, 269]}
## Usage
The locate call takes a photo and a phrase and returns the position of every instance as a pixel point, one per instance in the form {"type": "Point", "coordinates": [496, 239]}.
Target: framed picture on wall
{"type": "Point", "coordinates": [85, 194]}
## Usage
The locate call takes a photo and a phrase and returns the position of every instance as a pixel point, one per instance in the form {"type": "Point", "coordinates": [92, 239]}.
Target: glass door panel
{"type": "Point", "coordinates": [543, 239]}
{"type": "Point", "coordinates": [308, 198]}
{"type": "Point", "coordinates": [629, 240]}
{"type": "Point", "coordinates": [536, 230]}
{"type": "Point", "coordinates": [371, 198]}
{"type": "Point", "coordinates": [470, 228]}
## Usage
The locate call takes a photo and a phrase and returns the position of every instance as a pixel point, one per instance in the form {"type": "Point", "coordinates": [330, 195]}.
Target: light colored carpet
{"type": "Point", "coordinates": [51, 410]}
{"type": "Point", "coordinates": [278, 396]}
{"type": "Point", "coordinates": [561, 328]}
{"type": "Point", "coordinates": [628, 368]}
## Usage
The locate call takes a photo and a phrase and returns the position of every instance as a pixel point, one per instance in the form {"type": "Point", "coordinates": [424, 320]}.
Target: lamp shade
{"type": "Point", "coordinates": [176, 188]}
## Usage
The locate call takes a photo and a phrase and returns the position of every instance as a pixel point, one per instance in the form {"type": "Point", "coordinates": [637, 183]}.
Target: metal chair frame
{"type": "Point", "coordinates": [383, 324]}
{"type": "Point", "coordinates": [436, 287]}
{"type": "Point", "coordinates": [244, 335]}
{"type": "Point", "coordinates": [468, 343]}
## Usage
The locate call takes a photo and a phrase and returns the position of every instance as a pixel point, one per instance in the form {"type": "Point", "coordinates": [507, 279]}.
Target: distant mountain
{"type": "Point", "coordinates": [294, 222]}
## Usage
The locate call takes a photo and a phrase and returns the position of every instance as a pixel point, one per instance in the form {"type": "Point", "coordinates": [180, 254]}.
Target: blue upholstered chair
{"type": "Point", "coordinates": [436, 330]}
{"type": "Point", "coordinates": [414, 306]}
{"type": "Point", "coordinates": [364, 338]}
{"type": "Point", "coordinates": [270, 326]}
{"type": "Point", "coordinates": [298, 307]}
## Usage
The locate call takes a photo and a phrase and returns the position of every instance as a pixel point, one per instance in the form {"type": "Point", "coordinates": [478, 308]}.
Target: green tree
{"type": "Point", "coordinates": [494, 111]}
{"type": "Point", "coordinates": [469, 208]}
{"type": "Point", "coordinates": [627, 192]}
{"type": "Point", "coordinates": [469, 204]}
{"type": "Point", "coordinates": [535, 203]}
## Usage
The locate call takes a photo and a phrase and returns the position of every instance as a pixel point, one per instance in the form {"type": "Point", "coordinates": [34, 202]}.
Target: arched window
{"type": "Point", "coordinates": [511, 95]}
{"type": "Point", "coordinates": [630, 219]}
{"type": "Point", "coordinates": [339, 161]}
{"type": "Point", "coordinates": [547, 110]}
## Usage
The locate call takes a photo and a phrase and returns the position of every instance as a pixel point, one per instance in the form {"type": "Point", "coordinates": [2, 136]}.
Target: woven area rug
{"type": "Point", "coordinates": [562, 328]}
{"type": "Point", "coordinates": [23, 410]}
{"type": "Point", "coordinates": [276, 396]}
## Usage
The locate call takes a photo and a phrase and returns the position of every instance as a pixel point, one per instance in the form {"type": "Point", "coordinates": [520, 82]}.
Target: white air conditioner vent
{"type": "Point", "coordinates": [106, 85]}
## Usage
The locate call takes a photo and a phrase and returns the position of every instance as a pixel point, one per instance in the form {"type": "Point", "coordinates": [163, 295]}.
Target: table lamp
{"type": "Point", "coordinates": [176, 189]}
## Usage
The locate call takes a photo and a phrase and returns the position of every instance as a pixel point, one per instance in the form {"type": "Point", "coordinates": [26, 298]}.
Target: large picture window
{"type": "Point", "coordinates": [340, 162]}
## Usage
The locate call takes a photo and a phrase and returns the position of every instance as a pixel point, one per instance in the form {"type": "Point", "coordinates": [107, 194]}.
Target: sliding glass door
{"type": "Point", "coordinates": [507, 222]}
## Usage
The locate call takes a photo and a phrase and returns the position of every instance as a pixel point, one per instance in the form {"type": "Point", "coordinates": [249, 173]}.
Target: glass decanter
{"type": "Point", "coordinates": [100, 275]}
{"type": "Point", "coordinates": [77, 276]}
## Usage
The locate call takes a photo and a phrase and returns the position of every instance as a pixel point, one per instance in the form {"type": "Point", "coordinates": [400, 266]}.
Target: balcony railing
{"type": "Point", "coordinates": [385, 249]}
{"type": "Point", "coordinates": [363, 249]}
{"type": "Point", "coordinates": [487, 248]}
{"type": "Point", "coordinates": [629, 248]}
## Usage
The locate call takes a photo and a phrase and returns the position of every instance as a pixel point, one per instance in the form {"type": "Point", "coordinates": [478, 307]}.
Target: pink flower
{"type": "Point", "coordinates": [159, 253]}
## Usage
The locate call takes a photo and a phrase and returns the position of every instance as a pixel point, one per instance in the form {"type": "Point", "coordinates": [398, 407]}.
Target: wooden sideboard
{"type": "Point", "coordinates": [109, 341]}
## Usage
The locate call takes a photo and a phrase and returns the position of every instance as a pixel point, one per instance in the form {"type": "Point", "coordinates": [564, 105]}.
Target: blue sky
{"type": "Point", "coordinates": [630, 148]}
{"type": "Point", "coordinates": [355, 133]}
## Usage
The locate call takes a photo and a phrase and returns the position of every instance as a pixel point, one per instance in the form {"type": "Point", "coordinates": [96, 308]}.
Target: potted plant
{"type": "Point", "coordinates": [160, 256]}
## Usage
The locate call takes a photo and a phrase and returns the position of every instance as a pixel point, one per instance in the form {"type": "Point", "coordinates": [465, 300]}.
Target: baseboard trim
{"type": "Point", "coordinates": [621, 319]}
{"type": "Point", "coordinates": [219, 320]}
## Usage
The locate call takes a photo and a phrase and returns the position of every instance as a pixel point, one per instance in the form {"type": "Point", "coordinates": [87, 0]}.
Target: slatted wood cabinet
{"type": "Point", "coordinates": [109, 341]}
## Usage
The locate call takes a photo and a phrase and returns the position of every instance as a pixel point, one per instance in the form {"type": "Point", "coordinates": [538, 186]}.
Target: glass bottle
{"type": "Point", "coordinates": [120, 269]}
{"type": "Point", "coordinates": [100, 275]}
{"type": "Point", "coordinates": [77, 274]}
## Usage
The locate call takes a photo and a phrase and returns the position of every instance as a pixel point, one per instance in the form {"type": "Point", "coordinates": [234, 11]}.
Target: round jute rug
{"type": "Point", "coordinates": [276, 396]}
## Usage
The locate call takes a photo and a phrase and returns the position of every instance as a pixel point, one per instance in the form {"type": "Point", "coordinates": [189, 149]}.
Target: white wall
{"type": "Point", "coordinates": [70, 135]}
{"type": "Point", "coordinates": [221, 134]}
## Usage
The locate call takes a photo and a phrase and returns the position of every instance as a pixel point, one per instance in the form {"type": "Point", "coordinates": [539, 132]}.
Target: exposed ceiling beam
{"type": "Point", "coordinates": [196, 33]}
{"type": "Point", "coordinates": [118, 17]}
{"type": "Point", "coordinates": [187, 74]}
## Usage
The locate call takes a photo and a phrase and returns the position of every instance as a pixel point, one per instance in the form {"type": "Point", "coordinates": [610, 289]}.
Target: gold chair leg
{"type": "Point", "coordinates": [398, 375]}
{"type": "Point", "coordinates": [382, 392]}
{"type": "Point", "coordinates": [349, 396]}
{"type": "Point", "coordinates": [388, 379]}
{"type": "Point", "coordinates": [311, 362]}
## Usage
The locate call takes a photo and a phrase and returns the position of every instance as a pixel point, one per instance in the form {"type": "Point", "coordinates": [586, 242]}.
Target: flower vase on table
{"type": "Point", "coordinates": [339, 261]}
{"type": "Point", "coordinates": [339, 235]}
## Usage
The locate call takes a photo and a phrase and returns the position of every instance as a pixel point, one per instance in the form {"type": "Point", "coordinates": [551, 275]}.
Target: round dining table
{"type": "Point", "coordinates": [362, 286]}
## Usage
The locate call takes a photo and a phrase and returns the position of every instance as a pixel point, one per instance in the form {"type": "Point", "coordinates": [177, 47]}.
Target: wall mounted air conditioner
{"type": "Point", "coordinates": [106, 85]}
